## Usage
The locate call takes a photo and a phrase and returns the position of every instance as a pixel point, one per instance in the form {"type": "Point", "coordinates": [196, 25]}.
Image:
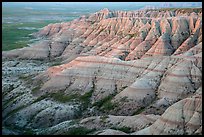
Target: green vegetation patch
{"type": "Point", "coordinates": [124, 99]}
{"type": "Point", "coordinates": [133, 35]}
{"type": "Point", "coordinates": [139, 111]}
{"type": "Point", "coordinates": [29, 132]}
{"type": "Point", "coordinates": [16, 110]}
{"type": "Point", "coordinates": [7, 91]}
{"type": "Point", "coordinates": [124, 129]}
{"type": "Point", "coordinates": [56, 64]}
{"type": "Point", "coordinates": [105, 103]}
{"type": "Point", "coordinates": [12, 98]}
{"type": "Point", "coordinates": [40, 98]}
{"type": "Point", "coordinates": [24, 77]}
{"type": "Point", "coordinates": [59, 96]}
{"type": "Point", "coordinates": [36, 89]}
{"type": "Point", "coordinates": [103, 118]}
{"type": "Point", "coordinates": [37, 84]}
{"type": "Point", "coordinates": [13, 37]}
{"type": "Point", "coordinates": [85, 99]}
{"type": "Point", "coordinates": [63, 98]}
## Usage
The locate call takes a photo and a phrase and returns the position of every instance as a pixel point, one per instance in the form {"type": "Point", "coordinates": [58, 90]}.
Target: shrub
{"type": "Point", "coordinates": [85, 99]}
{"type": "Point", "coordinates": [124, 129]}
{"type": "Point", "coordinates": [139, 111]}
{"type": "Point", "coordinates": [103, 118]}
{"type": "Point", "coordinates": [35, 90]}
{"type": "Point", "coordinates": [105, 103]}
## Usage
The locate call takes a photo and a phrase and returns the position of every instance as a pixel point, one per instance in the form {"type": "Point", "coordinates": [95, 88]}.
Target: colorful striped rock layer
{"type": "Point", "coordinates": [112, 72]}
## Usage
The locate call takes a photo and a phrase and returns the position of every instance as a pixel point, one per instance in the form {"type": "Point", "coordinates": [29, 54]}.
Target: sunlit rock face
{"type": "Point", "coordinates": [140, 70]}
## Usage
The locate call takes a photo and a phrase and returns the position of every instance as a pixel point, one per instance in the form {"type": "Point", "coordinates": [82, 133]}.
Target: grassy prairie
{"type": "Point", "coordinates": [15, 35]}
{"type": "Point", "coordinates": [20, 21]}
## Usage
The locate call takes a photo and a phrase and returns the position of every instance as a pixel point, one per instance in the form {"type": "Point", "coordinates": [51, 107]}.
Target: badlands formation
{"type": "Point", "coordinates": [112, 72]}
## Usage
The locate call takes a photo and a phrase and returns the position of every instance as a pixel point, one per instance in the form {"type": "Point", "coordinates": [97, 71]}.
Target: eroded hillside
{"type": "Point", "coordinates": [112, 72]}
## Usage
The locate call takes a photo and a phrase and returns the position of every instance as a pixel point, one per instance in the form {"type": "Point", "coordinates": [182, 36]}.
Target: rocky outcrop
{"type": "Point", "coordinates": [182, 118]}
{"type": "Point", "coordinates": [128, 123]}
{"type": "Point", "coordinates": [140, 81]}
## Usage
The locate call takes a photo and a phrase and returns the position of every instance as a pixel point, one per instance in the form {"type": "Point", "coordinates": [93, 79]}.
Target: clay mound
{"type": "Point", "coordinates": [139, 51]}
{"type": "Point", "coordinates": [101, 72]}
{"type": "Point", "coordinates": [182, 118]}
{"type": "Point", "coordinates": [162, 46]}
{"type": "Point", "coordinates": [140, 81]}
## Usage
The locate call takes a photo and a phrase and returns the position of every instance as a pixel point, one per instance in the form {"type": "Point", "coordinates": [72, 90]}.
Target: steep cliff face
{"type": "Point", "coordinates": [144, 65]}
